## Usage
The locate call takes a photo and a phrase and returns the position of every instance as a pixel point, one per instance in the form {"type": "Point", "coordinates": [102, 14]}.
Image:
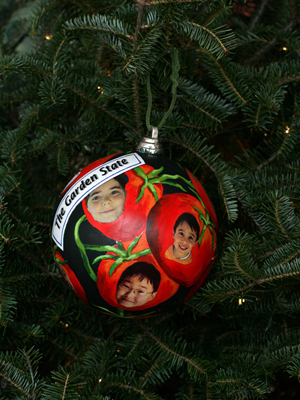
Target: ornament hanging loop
{"type": "Point", "coordinates": [150, 145]}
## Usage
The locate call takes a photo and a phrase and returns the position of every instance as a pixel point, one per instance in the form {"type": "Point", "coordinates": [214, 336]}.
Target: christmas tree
{"type": "Point", "coordinates": [81, 80]}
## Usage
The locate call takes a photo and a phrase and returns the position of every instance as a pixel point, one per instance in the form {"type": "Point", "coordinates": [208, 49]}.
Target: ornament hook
{"type": "Point", "coordinates": [150, 145]}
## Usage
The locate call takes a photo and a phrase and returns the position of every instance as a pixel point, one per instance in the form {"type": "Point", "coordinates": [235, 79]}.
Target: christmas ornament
{"type": "Point", "coordinates": [134, 233]}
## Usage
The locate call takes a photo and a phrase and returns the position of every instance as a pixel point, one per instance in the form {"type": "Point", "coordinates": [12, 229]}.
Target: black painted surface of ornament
{"type": "Point", "coordinates": [134, 234]}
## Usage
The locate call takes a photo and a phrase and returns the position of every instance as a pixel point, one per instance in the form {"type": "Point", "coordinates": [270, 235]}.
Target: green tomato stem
{"type": "Point", "coordinates": [81, 248]}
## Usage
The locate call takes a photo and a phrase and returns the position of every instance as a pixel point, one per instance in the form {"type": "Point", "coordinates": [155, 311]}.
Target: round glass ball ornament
{"type": "Point", "coordinates": [134, 234]}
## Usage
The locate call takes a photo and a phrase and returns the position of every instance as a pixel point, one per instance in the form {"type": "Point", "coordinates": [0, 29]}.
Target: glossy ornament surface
{"type": "Point", "coordinates": [134, 234]}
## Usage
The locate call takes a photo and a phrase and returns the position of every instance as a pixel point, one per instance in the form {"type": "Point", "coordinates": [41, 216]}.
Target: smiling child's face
{"type": "Point", "coordinates": [133, 292]}
{"type": "Point", "coordinates": [184, 240]}
{"type": "Point", "coordinates": [106, 202]}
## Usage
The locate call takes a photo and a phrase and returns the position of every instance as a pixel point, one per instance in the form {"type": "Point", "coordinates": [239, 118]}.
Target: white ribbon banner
{"type": "Point", "coordinates": [77, 192]}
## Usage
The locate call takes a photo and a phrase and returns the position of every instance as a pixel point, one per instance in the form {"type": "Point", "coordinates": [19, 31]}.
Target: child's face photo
{"type": "Point", "coordinates": [184, 240]}
{"type": "Point", "coordinates": [133, 292]}
{"type": "Point", "coordinates": [106, 202]}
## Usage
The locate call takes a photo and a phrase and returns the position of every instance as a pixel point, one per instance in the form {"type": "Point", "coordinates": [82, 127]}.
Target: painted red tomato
{"type": "Point", "coordinates": [70, 277]}
{"type": "Point", "coordinates": [137, 283]}
{"type": "Point", "coordinates": [201, 192]}
{"type": "Point", "coordinates": [182, 237]}
{"type": "Point", "coordinates": [87, 169]}
{"type": "Point", "coordinates": [200, 281]}
{"type": "Point", "coordinates": [140, 198]}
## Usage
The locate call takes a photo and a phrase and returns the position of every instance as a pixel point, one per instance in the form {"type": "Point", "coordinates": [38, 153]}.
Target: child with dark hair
{"type": "Point", "coordinates": [185, 234]}
{"type": "Point", "coordinates": [106, 202]}
{"type": "Point", "coordinates": [137, 285]}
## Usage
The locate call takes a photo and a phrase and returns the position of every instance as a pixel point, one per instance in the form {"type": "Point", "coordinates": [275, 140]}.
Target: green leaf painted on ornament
{"type": "Point", "coordinates": [105, 248]}
{"type": "Point", "coordinates": [81, 248]}
{"type": "Point", "coordinates": [58, 261]}
{"type": "Point", "coordinates": [155, 172]}
{"type": "Point", "coordinates": [139, 254]}
{"type": "Point", "coordinates": [119, 254]}
{"type": "Point", "coordinates": [121, 312]}
{"type": "Point", "coordinates": [106, 310]}
{"type": "Point", "coordinates": [115, 265]}
{"type": "Point", "coordinates": [120, 246]}
{"type": "Point", "coordinates": [207, 223]}
{"type": "Point", "coordinates": [133, 244]}
{"type": "Point", "coordinates": [105, 257]}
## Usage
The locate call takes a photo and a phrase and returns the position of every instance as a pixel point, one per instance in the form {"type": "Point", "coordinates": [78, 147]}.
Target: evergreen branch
{"type": "Point", "coordinates": [84, 335]}
{"type": "Point", "coordinates": [209, 35]}
{"type": "Point", "coordinates": [286, 139]}
{"type": "Point", "coordinates": [245, 288]}
{"type": "Point", "coordinates": [138, 62]}
{"type": "Point", "coordinates": [24, 64]}
{"type": "Point", "coordinates": [100, 23]}
{"type": "Point", "coordinates": [63, 349]}
{"type": "Point", "coordinates": [225, 76]}
{"type": "Point", "coordinates": [97, 105]}
{"type": "Point", "coordinates": [282, 255]}
{"type": "Point", "coordinates": [278, 218]}
{"type": "Point", "coordinates": [271, 43]}
{"type": "Point", "coordinates": [257, 116]}
{"type": "Point", "coordinates": [238, 265]}
{"type": "Point", "coordinates": [47, 137]}
{"type": "Point", "coordinates": [150, 370]}
{"type": "Point", "coordinates": [137, 104]}
{"type": "Point", "coordinates": [225, 182]}
{"type": "Point", "coordinates": [5, 239]}
{"type": "Point", "coordinates": [195, 307]}
{"type": "Point", "coordinates": [135, 82]}
{"type": "Point", "coordinates": [137, 342]}
{"type": "Point", "coordinates": [226, 187]}
{"type": "Point", "coordinates": [30, 370]}
{"type": "Point", "coordinates": [20, 371]}
{"type": "Point", "coordinates": [7, 305]}
{"type": "Point", "coordinates": [259, 387]}
{"type": "Point", "coordinates": [56, 55]}
{"type": "Point", "coordinates": [65, 386]}
{"type": "Point", "coordinates": [139, 21]}
{"type": "Point", "coordinates": [289, 79]}
{"type": "Point", "coordinates": [146, 396]}
{"type": "Point", "coordinates": [273, 278]}
{"type": "Point", "coordinates": [29, 257]}
{"type": "Point", "coordinates": [258, 14]}
{"type": "Point", "coordinates": [279, 356]}
{"type": "Point", "coordinates": [119, 383]}
{"type": "Point", "coordinates": [203, 111]}
{"type": "Point", "coordinates": [179, 356]}
{"type": "Point", "coordinates": [14, 384]}
{"type": "Point", "coordinates": [219, 15]}
{"type": "Point", "coordinates": [155, 2]}
{"type": "Point", "coordinates": [192, 150]}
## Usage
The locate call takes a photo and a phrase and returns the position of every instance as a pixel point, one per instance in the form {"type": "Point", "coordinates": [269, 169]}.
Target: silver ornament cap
{"type": "Point", "coordinates": [150, 145]}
